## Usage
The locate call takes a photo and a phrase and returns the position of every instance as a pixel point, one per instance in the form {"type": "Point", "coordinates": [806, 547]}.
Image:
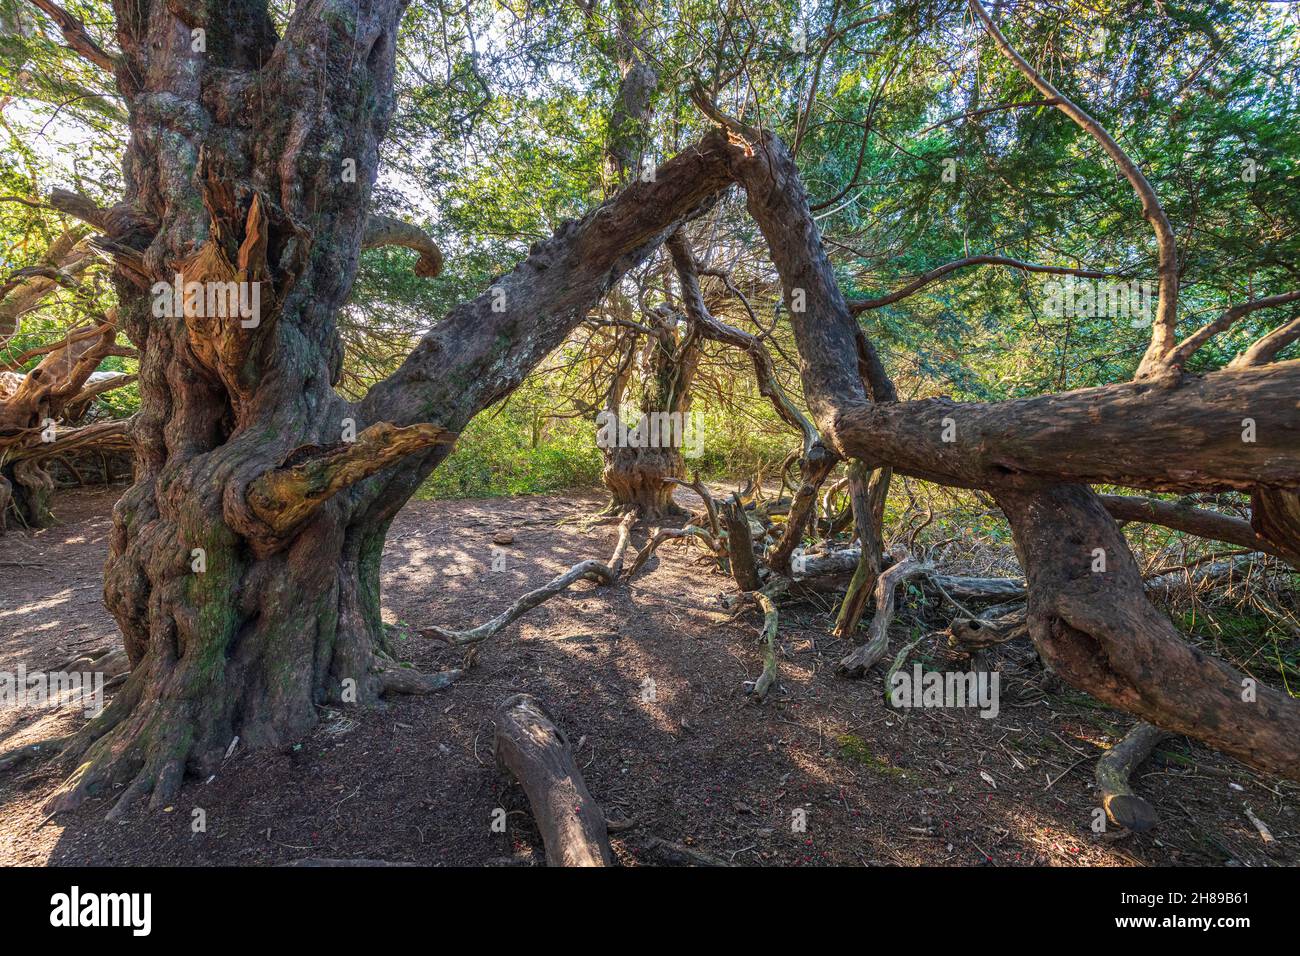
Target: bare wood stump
{"type": "Point", "coordinates": [740, 545]}
{"type": "Point", "coordinates": [535, 751]}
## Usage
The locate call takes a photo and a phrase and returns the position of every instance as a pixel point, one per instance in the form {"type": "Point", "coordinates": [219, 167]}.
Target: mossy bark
{"type": "Point", "coordinates": [252, 161]}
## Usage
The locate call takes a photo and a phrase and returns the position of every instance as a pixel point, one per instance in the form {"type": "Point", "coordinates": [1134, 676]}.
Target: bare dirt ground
{"type": "Point", "coordinates": [647, 680]}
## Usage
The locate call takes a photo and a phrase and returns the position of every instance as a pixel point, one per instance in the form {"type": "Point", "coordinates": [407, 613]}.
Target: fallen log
{"type": "Point", "coordinates": [1161, 584]}
{"type": "Point", "coordinates": [771, 618]}
{"type": "Point", "coordinates": [976, 633]}
{"type": "Point", "coordinates": [1114, 770]}
{"type": "Point", "coordinates": [535, 751]}
{"type": "Point", "coordinates": [845, 561]}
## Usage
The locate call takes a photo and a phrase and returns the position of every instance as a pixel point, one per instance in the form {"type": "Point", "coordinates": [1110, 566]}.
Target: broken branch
{"type": "Point", "coordinates": [286, 496]}
{"type": "Point", "coordinates": [1114, 770]}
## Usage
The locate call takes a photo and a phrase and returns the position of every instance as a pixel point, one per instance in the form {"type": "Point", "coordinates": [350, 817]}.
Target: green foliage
{"type": "Point", "coordinates": [497, 456]}
{"type": "Point", "coordinates": [503, 117]}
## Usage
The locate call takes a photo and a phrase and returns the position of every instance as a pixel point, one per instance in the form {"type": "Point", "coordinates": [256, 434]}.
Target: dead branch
{"type": "Point", "coordinates": [864, 658]}
{"type": "Point", "coordinates": [286, 496]}
{"type": "Point", "coordinates": [660, 535]}
{"type": "Point", "coordinates": [771, 618]}
{"type": "Point", "coordinates": [977, 633]}
{"type": "Point", "coordinates": [816, 468]}
{"type": "Point", "coordinates": [107, 436]}
{"type": "Point", "coordinates": [387, 231]}
{"type": "Point", "coordinates": [405, 680]}
{"type": "Point", "coordinates": [681, 855]}
{"type": "Point", "coordinates": [44, 391]}
{"type": "Point", "coordinates": [710, 505]}
{"type": "Point", "coordinates": [867, 491]}
{"type": "Point", "coordinates": [709, 327]}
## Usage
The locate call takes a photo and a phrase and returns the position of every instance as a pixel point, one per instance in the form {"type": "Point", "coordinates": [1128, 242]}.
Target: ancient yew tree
{"type": "Point", "coordinates": [244, 562]}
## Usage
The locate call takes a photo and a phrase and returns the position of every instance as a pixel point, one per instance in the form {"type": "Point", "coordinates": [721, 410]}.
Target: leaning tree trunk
{"type": "Point", "coordinates": [639, 477]}
{"type": "Point", "coordinates": [244, 562]}
{"type": "Point", "coordinates": [1088, 612]}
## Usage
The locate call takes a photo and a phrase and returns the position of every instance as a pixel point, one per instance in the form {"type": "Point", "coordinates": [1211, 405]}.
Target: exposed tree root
{"type": "Point", "coordinates": [109, 660]}
{"type": "Point", "coordinates": [44, 748]}
{"type": "Point", "coordinates": [770, 620]}
{"type": "Point", "coordinates": [530, 746]}
{"type": "Point", "coordinates": [142, 752]}
{"type": "Point", "coordinates": [865, 657]}
{"type": "Point", "coordinates": [1114, 770]}
{"type": "Point", "coordinates": [605, 573]}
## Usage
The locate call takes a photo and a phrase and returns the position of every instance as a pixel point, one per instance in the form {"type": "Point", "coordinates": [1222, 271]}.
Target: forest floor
{"type": "Point", "coordinates": [647, 681]}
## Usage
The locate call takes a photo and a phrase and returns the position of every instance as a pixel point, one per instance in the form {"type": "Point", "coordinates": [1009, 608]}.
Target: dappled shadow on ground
{"type": "Point", "coordinates": [647, 681]}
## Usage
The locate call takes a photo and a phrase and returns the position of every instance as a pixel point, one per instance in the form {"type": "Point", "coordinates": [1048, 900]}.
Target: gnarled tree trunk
{"type": "Point", "coordinates": [244, 561]}
{"type": "Point", "coordinates": [1088, 613]}
{"type": "Point", "coordinates": [638, 473]}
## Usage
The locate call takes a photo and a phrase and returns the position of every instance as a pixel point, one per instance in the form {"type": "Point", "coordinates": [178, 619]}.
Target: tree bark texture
{"type": "Point", "coordinates": [244, 561]}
